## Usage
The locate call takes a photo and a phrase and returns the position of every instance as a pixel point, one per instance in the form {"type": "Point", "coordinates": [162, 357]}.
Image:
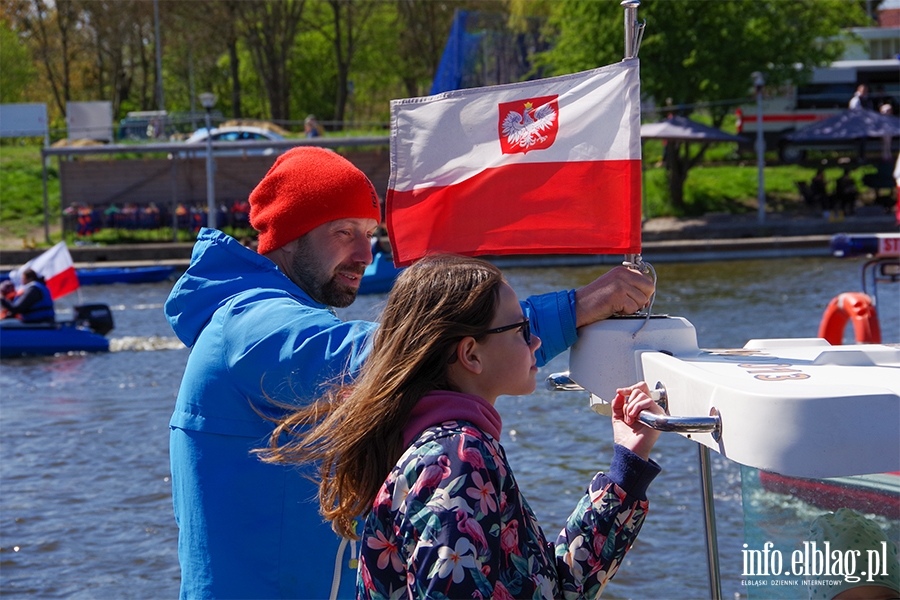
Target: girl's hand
{"type": "Point", "coordinates": [628, 431]}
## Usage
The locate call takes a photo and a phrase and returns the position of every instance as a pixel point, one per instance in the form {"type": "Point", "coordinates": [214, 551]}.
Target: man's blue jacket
{"type": "Point", "coordinates": [249, 529]}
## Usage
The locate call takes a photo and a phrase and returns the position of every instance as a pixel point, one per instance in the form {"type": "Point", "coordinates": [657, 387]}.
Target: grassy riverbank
{"type": "Point", "coordinates": [727, 184]}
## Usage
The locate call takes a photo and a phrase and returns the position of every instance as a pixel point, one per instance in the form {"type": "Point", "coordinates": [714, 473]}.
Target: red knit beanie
{"type": "Point", "coordinates": [307, 187]}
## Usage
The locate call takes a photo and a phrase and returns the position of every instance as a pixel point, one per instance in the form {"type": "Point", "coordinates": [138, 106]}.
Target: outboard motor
{"type": "Point", "coordinates": [97, 317]}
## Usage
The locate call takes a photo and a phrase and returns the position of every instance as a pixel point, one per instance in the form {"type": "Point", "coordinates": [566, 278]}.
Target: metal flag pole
{"type": "Point", "coordinates": [634, 33]}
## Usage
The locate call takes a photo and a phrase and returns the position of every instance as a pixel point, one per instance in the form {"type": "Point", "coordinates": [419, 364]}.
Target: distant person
{"type": "Point", "coordinates": [848, 531]}
{"type": "Point", "coordinates": [34, 303]}
{"type": "Point", "coordinates": [896, 175]}
{"type": "Point", "coordinates": [887, 110]}
{"type": "Point", "coordinates": [7, 291]}
{"type": "Point", "coordinates": [845, 193]}
{"type": "Point", "coordinates": [860, 98]}
{"type": "Point", "coordinates": [819, 190]}
{"type": "Point", "coordinates": [413, 448]}
{"type": "Point", "coordinates": [311, 127]}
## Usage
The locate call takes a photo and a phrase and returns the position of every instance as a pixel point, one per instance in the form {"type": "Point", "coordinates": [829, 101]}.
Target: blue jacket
{"type": "Point", "coordinates": [248, 529]}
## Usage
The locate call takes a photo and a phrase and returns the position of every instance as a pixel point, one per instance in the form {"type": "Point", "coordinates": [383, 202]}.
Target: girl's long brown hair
{"type": "Point", "coordinates": [355, 433]}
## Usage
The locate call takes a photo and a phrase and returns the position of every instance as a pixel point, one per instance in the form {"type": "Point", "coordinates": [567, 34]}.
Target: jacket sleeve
{"type": "Point", "coordinates": [604, 525]}
{"type": "Point", "coordinates": [553, 320]}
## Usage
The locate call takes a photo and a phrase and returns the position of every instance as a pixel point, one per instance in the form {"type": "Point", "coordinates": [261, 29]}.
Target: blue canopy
{"type": "Point", "coordinates": [852, 124]}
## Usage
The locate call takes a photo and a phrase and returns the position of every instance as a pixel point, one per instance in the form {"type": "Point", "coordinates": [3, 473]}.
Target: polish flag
{"type": "Point", "coordinates": [541, 167]}
{"type": "Point", "coordinates": [56, 267]}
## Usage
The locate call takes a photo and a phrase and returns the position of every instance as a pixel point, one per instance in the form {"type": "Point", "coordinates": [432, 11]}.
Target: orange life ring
{"type": "Point", "coordinates": [857, 308]}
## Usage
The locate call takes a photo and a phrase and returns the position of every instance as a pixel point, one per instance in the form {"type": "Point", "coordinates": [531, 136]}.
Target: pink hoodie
{"type": "Point", "coordinates": [440, 405]}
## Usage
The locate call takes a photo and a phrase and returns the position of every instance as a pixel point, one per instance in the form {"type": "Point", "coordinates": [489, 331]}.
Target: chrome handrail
{"type": "Point", "coordinates": [562, 382]}
{"type": "Point", "coordinates": [711, 424]}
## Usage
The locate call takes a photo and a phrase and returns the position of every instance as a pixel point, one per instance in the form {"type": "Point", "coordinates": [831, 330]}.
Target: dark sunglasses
{"type": "Point", "coordinates": [525, 326]}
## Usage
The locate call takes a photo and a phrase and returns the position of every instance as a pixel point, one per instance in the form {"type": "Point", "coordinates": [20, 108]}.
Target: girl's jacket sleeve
{"type": "Point", "coordinates": [450, 522]}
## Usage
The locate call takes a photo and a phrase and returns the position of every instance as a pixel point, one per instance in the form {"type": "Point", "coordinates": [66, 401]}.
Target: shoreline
{"type": "Point", "coordinates": [668, 239]}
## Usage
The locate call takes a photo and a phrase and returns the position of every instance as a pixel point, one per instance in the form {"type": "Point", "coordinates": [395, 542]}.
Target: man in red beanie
{"type": "Point", "coordinates": [263, 335]}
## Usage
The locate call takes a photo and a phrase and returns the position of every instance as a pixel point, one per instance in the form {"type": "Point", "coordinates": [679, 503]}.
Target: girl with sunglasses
{"type": "Point", "coordinates": [414, 447]}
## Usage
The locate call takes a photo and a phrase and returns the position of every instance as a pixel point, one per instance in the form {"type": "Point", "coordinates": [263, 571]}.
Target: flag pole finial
{"type": "Point", "coordinates": [634, 31]}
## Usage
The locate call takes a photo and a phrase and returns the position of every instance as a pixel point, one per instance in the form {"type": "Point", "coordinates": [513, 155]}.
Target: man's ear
{"type": "Point", "coordinates": [289, 247]}
{"type": "Point", "coordinates": [468, 355]}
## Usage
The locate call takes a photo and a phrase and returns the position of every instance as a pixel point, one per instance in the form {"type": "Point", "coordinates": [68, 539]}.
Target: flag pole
{"type": "Point", "coordinates": [634, 33]}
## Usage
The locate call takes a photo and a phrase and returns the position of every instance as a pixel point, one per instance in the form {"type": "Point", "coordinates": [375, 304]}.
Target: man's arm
{"type": "Point", "coordinates": [555, 316]}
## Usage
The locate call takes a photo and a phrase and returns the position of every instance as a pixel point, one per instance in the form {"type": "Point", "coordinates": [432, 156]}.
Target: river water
{"type": "Point", "coordinates": [85, 505]}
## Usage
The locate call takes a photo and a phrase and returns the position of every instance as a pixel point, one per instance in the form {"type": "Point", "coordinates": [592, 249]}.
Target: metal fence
{"type": "Point", "coordinates": [166, 184]}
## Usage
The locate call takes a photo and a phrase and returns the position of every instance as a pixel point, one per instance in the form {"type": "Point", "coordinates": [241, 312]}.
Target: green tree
{"type": "Point", "coordinates": [18, 69]}
{"type": "Point", "coordinates": [422, 29]}
{"type": "Point", "coordinates": [703, 52]}
{"type": "Point", "coordinates": [270, 31]}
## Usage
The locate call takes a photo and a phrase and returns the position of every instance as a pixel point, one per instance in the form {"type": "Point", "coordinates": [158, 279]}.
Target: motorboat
{"type": "Point", "coordinates": [110, 275]}
{"type": "Point", "coordinates": [86, 332]}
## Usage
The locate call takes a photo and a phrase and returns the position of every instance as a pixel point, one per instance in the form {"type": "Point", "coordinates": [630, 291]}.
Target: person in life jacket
{"type": "Point", "coordinates": [7, 291]}
{"type": "Point", "coordinates": [33, 304]}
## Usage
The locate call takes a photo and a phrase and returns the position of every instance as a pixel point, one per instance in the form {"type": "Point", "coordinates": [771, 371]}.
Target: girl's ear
{"type": "Point", "coordinates": [468, 356]}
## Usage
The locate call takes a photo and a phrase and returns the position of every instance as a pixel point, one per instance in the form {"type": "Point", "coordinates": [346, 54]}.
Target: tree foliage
{"type": "Point", "coordinates": [703, 53]}
{"type": "Point", "coordinates": [344, 59]}
{"type": "Point", "coordinates": [18, 69]}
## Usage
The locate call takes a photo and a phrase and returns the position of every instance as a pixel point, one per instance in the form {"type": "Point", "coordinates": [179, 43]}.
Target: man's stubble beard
{"type": "Point", "coordinates": [306, 272]}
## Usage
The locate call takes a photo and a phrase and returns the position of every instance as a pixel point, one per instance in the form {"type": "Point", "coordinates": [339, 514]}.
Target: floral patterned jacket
{"type": "Point", "coordinates": [450, 522]}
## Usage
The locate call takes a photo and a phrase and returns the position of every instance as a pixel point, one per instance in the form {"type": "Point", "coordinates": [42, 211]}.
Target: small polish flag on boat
{"type": "Point", "coordinates": [56, 267]}
{"type": "Point", "coordinates": [551, 166]}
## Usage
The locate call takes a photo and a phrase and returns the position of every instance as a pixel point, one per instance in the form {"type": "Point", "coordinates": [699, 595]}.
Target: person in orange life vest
{"type": "Point", "coordinates": [34, 303]}
{"type": "Point", "coordinates": [7, 291]}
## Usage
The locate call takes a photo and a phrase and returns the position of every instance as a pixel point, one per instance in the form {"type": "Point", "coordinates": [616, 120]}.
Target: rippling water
{"type": "Point", "coordinates": [85, 505]}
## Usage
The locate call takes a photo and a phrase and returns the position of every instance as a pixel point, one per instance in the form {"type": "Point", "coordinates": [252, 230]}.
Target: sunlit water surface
{"type": "Point", "coordinates": [85, 504]}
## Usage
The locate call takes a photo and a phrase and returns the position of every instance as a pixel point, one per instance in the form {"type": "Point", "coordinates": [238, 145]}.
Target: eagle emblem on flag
{"type": "Point", "coordinates": [528, 124]}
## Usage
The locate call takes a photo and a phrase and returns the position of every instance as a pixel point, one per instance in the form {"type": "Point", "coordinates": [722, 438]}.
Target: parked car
{"type": "Point", "coordinates": [243, 133]}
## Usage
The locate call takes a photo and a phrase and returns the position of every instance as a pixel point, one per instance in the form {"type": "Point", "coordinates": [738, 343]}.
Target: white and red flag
{"type": "Point", "coordinates": [551, 166]}
{"type": "Point", "coordinates": [56, 267]}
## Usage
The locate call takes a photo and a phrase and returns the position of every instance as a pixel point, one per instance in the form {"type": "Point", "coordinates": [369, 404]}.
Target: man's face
{"type": "Point", "coordinates": [329, 261]}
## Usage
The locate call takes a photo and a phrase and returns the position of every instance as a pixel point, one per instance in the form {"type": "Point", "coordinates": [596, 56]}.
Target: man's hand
{"type": "Point", "coordinates": [620, 291]}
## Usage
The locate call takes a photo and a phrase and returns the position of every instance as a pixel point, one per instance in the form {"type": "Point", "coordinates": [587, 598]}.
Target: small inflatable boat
{"type": "Point", "coordinates": [85, 333]}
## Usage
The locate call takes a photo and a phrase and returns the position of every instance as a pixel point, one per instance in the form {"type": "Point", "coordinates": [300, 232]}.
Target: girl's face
{"type": "Point", "coordinates": [509, 362]}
